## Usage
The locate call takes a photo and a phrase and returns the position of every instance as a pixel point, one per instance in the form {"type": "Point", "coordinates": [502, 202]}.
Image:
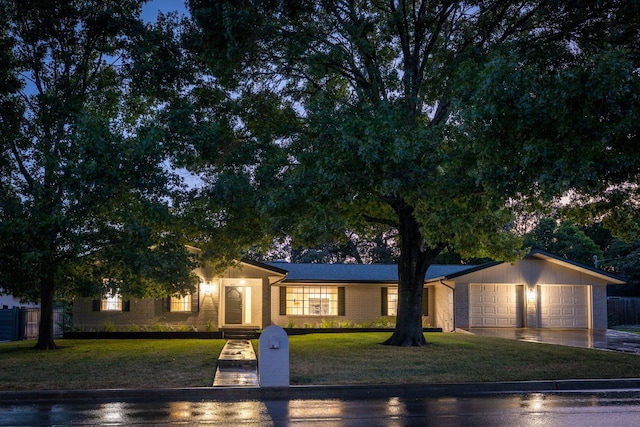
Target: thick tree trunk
{"type": "Point", "coordinates": [45, 331]}
{"type": "Point", "coordinates": [414, 261]}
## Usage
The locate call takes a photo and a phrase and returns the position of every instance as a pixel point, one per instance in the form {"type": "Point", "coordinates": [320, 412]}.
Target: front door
{"type": "Point", "coordinates": [232, 306]}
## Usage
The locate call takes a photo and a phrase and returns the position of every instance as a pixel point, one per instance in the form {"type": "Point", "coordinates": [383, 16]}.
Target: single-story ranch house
{"type": "Point", "coordinates": [539, 291]}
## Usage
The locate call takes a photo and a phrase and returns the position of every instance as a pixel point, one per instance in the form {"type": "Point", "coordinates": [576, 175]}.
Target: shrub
{"type": "Point", "coordinates": [324, 323]}
{"type": "Point", "coordinates": [384, 322]}
{"type": "Point", "coordinates": [209, 327]}
{"type": "Point", "coordinates": [291, 324]}
{"type": "Point", "coordinates": [108, 327]}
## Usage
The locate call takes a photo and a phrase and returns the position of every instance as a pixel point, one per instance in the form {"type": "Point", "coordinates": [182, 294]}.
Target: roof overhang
{"type": "Point", "coordinates": [546, 256]}
{"type": "Point", "coordinates": [263, 266]}
{"type": "Point", "coordinates": [608, 277]}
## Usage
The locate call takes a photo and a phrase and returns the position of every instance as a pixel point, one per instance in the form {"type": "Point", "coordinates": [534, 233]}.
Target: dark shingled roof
{"type": "Point", "coordinates": [369, 273]}
{"type": "Point", "coordinates": [388, 273]}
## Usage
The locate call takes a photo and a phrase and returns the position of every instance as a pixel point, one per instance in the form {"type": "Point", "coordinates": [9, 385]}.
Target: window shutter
{"type": "Point", "coordinates": [385, 301]}
{"type": "Point", "coordinates": [126, 305]}
{"type": "Point", "coordinates": [95, 305]}
{"type": "Point", "coordinates": [195, 301]}
{"type": "Point", "coordinates": [166, 304]}
{"type": "Point", "coordinates": [341, 304]}
{"type": "Point", "coordinates": [283, 300]}
{"type": "Point", "coordinates": [425, 302]}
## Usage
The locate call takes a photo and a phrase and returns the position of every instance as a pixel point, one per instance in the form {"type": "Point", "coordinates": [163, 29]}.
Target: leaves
{"type": "Point", "coordinates": [464, 112]}
{"type": "Point", "coordinates": [88, 203]}
{"type": "Point", "coordinates": [564, 239]}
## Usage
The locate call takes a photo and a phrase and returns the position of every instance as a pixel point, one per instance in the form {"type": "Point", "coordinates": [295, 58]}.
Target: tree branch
{"type": "Point", "coordinates": [383, 221]}
{"type": "Point", "coordinates": [23, 170]}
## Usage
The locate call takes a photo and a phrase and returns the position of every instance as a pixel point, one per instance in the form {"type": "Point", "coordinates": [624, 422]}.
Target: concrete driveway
{"type": "Point", "coordinates": [602, 340]}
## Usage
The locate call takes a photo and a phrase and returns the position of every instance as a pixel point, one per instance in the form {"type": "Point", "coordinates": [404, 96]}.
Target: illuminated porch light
{"type": "Point", "coordinates": [207, 288]}
{"type": "Point", "coordinates": [531, 295]}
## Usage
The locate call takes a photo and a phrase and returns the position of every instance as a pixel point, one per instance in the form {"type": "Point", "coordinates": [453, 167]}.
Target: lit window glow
{"type": "Point", "coordinates": [111, 302]}
{"type": "Point", "coordinates": [312, 301]}
{"type": "Point", "coordinates": [181, 303]}
{"type": "Point", "coordinates": [392, 302]}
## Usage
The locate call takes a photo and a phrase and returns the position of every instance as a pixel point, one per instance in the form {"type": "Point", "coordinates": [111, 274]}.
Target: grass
{"type": "Point", "coordinates": [89, 364]}
{"type": "Point", "coordinates": [632, 330]}
{"type": "Point", "coordinates": [350, 358]}
{"type": "Point", "coordinates": [449, 358]}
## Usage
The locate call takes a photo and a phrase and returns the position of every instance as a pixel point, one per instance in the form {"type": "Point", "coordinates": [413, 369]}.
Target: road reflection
{"type": "Point", "coordinates": [216, 412]}
{"type": "Point", "coordinates": [533, 409]}
{"type": "Point", "coordinates": [113, 413]}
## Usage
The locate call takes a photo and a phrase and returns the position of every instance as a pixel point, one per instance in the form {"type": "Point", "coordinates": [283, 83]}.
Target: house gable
{"type": "Point", "coordinates": [536, 267]}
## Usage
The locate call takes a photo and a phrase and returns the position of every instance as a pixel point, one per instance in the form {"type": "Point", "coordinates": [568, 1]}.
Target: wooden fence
{"type": "Point", "coordinates": [623, 311]}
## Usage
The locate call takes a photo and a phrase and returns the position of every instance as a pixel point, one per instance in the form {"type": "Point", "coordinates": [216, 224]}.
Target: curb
{"type": "Point", "coordinates": [353, 392]}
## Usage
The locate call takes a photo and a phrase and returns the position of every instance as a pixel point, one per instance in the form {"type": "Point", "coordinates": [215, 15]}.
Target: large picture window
{"type": "Point", "coordinates": [312, 301]}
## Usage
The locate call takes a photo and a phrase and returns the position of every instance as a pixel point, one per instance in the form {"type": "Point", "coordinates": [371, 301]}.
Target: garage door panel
{"type": "Point", "coordinates": [563, 306]}
{"type": "Point", "coordinates": [495, 306]}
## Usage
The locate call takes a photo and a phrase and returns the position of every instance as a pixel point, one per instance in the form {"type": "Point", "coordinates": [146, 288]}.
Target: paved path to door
{"type": "Point", "coordinates": [603, 340]}
{"type": "Point", "coordinates": [237, 365]}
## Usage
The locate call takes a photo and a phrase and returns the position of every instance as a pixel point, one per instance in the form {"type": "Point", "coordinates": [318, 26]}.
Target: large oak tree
{"type": "Point", "coordinates": [437, 119]}
{"type": "Point", "coordinates": [86, 201]}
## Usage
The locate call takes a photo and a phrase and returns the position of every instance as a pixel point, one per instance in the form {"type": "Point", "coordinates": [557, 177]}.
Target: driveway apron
{"type": "Point", "coordinates": [602, 340]}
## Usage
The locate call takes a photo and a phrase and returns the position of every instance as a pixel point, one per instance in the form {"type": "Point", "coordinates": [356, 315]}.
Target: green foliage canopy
{"type": "Point", "coordinates": [565, 240]}
{"type": "Point", "coordinates": [435, 118]}
{"type": "Point", "coordinates": [87, 203]}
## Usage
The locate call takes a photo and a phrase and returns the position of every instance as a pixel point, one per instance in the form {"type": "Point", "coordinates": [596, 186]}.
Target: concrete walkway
{"type": "Point", "coordinates": [237, 365]}
{"type": "Point", "coordinates": [602, 340]}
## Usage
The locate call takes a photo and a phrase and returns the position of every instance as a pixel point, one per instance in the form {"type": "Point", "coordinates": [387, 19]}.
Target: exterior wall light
{"type": "Point", "coordinates": [207, 288]}
{"type": "Point", "coordinates": [531, 294]}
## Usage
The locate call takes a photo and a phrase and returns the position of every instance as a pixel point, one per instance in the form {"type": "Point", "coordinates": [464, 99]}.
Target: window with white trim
{"type": "Point", "coordinates": [392, 301]}
{"type": "Point", "coordinates": [181, 303]}
{"type": "Point", "coordinates": [312, 300]}
{"type": "Point", "coordinates": [111, 302]}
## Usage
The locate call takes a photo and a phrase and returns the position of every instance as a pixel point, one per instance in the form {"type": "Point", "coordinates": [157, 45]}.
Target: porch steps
{"type": "Point", "coordinates": [237, 365]}
{"type": "Point", "coordinates": [240, 334]}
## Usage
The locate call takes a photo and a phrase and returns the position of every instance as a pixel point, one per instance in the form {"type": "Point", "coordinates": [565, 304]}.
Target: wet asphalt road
{"type": "Point", "coordinates": [619, 408]}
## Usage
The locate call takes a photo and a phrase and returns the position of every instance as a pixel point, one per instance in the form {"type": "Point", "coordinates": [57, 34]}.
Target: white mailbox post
{"type": "Point", "coordinates": [273, 357]}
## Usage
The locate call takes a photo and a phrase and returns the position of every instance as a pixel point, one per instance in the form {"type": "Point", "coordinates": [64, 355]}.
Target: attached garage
{"type": "Point", "coordinates": [539, 291]}
{"type": "Point", "coordinates": [496, 306]}
{"type": "Point", "coordinates": [564, 306]}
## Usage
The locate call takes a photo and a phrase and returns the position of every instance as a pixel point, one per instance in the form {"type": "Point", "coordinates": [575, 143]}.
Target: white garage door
{"type": "Point", "coordinates": [563, 306]}
{"type": "Point", "coordinates": [496, 306]}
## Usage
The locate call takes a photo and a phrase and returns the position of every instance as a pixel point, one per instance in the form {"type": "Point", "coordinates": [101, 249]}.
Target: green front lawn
{"type": "Point", "coordinates": [88, 364]}
{"type": "Point", "coordinates": [350, 358]}
{"type": "Point", "coordinates": [449, 358]}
